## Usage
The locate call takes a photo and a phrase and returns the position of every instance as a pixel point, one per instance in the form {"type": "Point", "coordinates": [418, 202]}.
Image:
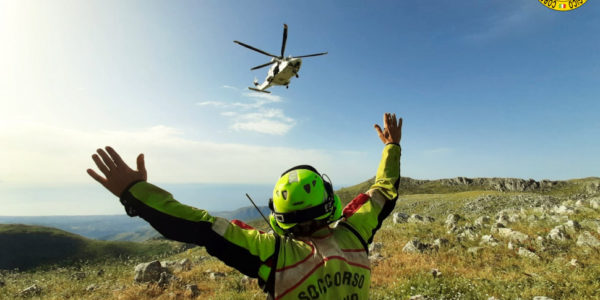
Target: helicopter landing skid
{"type": "Point", "coordinates": [267, 92]}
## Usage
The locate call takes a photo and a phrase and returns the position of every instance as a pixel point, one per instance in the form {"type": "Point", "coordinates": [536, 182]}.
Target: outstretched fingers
{"type": "Point", "coordinates": [96, 177]}
{"type": "Point", "coordinates": [379, 132]}
{"type": "Point", "coordinates": [115, 157]}
{"type": "Point", "coordinates": [106, 159]}
{"type": "Point", "coordinates": [101, 166]}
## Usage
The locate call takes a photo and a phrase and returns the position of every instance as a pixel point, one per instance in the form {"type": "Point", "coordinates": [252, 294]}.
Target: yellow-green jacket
{"type": "Point", "coordinates": [332, 263]}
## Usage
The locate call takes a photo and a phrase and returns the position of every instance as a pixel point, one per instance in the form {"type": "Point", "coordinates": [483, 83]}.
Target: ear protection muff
{"type": "Point", "coordinates": [331, 205]}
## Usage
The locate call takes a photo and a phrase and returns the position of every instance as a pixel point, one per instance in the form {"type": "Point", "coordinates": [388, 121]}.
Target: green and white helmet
{"type": "Point", "coordinates": [302, 195]}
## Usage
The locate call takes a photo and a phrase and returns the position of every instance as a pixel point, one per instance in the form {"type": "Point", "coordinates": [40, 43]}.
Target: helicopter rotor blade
{"type": "Point", "coordinates": [316, 54]}
{"type": "Point", "coordinates": [255, 49]}
{"type": "Point", "coordinates": [263, 65]}
{"type": "Point", "coordinates": [284, 39]}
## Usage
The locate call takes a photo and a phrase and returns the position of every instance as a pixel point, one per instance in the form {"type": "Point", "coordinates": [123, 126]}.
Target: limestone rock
{"type": "Point", "coordinates": [452, 220]}
{"type": "Point", "coordinates": [185, 264]}
{"type": "Point", "coordinates": [474, 250]}
{"type": "Point", "coordinates": [558, 233]}
{"type": "Point", "coordinates": [595, 203]}
{"type": "Point", "coordinates": [417, 297]}
{"type": "Point", "coordinates": [563, 210]}
{"type": "Point", "coordinates": [587, 239]}
{"type": "Point", "coordinates": [31, 291]}
{"type": "Point", "coordinates": [415, 246]}
{"type": "Point", "coordinates": [488, 240]}
{"type": "Point", "coordinates": [512, 235]}
{"type": "Point", "coordinates": [375, 247]}
{"type": "Point", "coordinates": [414, 218]}
{"type": "Point", "coordinates": [92, 287]}
{"type": "Point", "coordinates": [510, 246]}
{"type": "Point", "coordinates": [513, 218]}
{"type": "Point", "coordinates": [572, 226]}
{"type": "Point", "coordinates": [216, 275]}
{"type": "Point", "coordinates": [496, 227]}
{"type": "Point", "coordinates": [148, 272]}
{"type": "Point", "coordinates": [524, 252]}
{"type": "Point", "coordinates": [441, 243]}
{"type": "Point", "coordinates": [400, 218]}
{"type": "Point", "coordinates": [376, 258]}
{"type": "Point", "coordinates": [166, 278]}
{"type": "Point", "coordinates": [192, 291]}
{"type": "Point", "coordinates": [468, 234]}
{"type": "Point", "coordinates": [481, 221]}
{"type": "Point", "coordinates": [575, 263]}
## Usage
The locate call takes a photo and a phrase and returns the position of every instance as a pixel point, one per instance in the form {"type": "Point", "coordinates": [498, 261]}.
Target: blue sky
{"type": "Point", "coordinates": [486, 89]}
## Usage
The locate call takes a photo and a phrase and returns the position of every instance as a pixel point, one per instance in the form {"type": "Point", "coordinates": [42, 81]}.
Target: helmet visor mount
{"type": "Point", "coordinates": [304, 215]}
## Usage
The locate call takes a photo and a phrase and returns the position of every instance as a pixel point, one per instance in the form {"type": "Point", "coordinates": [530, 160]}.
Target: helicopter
{"type": "Point", "coordinates": [282, 69]}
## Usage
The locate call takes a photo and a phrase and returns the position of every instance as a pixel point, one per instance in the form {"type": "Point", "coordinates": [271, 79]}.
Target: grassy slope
{"type": "Point", "coordinates": [496, 271]}
{"type": "Point", "coordinates": [26, 246]}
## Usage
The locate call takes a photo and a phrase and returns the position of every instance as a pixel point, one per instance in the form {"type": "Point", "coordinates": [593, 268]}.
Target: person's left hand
{"type": "Point", "coordinates": [118, 174]}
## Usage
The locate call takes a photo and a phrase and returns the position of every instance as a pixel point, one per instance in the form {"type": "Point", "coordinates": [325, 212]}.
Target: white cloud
{"type": "Point", "coordinates": [211, 103]}
{"type": "Point", "coordinates": [230, 87]}
{"type": "Point", "coordinates": [38, 154]}
{"type": "Point", "coordinates": [229, 113]}
{"type": "Point", "coordinates": [255, 113]}
{"type": "Point", "coordinates": [269, 121]}
{"type": "Point", "coordinates": [265, 97]}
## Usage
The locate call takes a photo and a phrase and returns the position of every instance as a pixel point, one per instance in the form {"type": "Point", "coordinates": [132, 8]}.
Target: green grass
{"type": "Point", "coordinates": [495, 271]}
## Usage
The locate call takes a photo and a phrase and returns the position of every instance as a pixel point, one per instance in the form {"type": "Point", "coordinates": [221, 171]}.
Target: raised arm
{"type": "Point", "coordinates": [366, 212]}
{"type": "Point", "coordinates": [235, 243]}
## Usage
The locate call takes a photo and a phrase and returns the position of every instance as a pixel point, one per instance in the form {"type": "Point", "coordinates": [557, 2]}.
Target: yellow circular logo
{"type": "Point", "coordinates": [562, 5]}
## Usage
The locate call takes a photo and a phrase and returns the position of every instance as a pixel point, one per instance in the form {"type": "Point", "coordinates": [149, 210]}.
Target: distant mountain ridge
{"type": "Point", "coordinates": [124, 228]}
{"type": "Point", "coordinates": [409, 186]}
{"type": "Point", "coordinates": [118, 227]}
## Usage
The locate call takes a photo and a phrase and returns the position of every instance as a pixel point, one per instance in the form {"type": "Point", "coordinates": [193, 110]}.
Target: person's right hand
{"type": "Point", "coordinates": [392, 130]}
{"type": "Point", "coordinates": [118, 174]}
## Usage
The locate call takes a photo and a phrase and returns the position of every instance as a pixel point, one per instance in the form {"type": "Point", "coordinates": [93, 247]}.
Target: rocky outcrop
{"type": "Point", "coordinates": [414, 218]}
{"type": "Point", "coordinates": [488, 240]}
{"type": "Point", "coordinates": [512, 235]}
{"type": "Point", "coordinates": [558, 233]}
{"type": "Point", "coordinates": [192, 291]}
{"type": "Point", "coordinates": [375, 247]}
{"type": "Point", "coordinates": [415, 246]}
{"type": "Point", "coordinates": [587, 239]}
{"type": "Point", "coordinates": [181, 265]}
{"type": "Point", "coordinates": [148, 272]}
{"type": "Point", "coordinates": [400, 218]}
{"type": "Point", "coordinates": [502, 184]}
{"type": "Point", "coordinates": [524, 252]}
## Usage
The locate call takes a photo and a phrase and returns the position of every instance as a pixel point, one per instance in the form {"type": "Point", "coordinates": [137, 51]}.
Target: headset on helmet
{"type": "Point", "coordinates": [328, 209]}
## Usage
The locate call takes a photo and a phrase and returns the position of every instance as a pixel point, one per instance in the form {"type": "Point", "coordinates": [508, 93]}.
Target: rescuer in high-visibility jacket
{"type": "Point", "coordinates": [317, 250]}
